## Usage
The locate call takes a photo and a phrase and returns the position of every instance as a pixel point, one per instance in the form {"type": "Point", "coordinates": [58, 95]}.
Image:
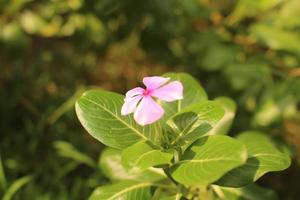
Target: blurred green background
{"type": "Point", "coordinates": [52, 50]}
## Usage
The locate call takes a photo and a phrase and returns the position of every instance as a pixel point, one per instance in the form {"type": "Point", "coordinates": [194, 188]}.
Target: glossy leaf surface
{"type": "Point", "coordinates": [263, 157]}
{"type": "Point", "coordinates": [99, 113]}
{"type": "Point", "coordinates": [208, 159]}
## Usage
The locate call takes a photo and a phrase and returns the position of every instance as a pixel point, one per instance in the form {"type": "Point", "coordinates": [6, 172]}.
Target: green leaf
{"type": "Point", "coordinates": [251, 192]}
{"type": "Point", "coordinates": [267, 113]}
{"type": "Point", "coordinates": [66, 106]}
{"type": "Point", "coordinates": [16, 186]}
{"type": "Point", "coordinates": [194, 121]}
{"type": "Point", "coordinates": [3, 182]}
{"type": "Point", "coordinates": [67, 150]}
{"type": "Point", "coordinates": [112, 168]}
{"type": "Point", "coordinates": [99, 113]}
{"type": "Point", "coordinates": [192, 93]}
{"type": "Point", "coordinates": [288, 15]}
{"type": "Point", "coordinates": [278, 102]}
{"type": "Point", "coordinates": [275, 38]}
{"type": "Point", "coordinates": [217, 57]}
{"type": "Point", "coordinates": [250, 8]}
{"type": "Point", "coordinates": [143, 155]}
{"type": "Point", "coordinates": [130, 190]}
{"type": "Point", "coordinates": [247, 74]}
{"type": "Point", "coordinates": [174, 197]}
{"type": "Point", "coordinates": [208, 159]}
{"type": "Point", "coordinates": [31, 22]}
{"type": "Point", "coordinates": [223, 126]}
{"type": "Point", "coordinates": [167, 192]}
{"type": "Point", "coordinates": [263, 157]}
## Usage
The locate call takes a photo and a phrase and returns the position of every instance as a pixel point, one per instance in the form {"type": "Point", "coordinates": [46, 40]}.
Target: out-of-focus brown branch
{"type": "Point", "coordinates": [295, 72]}
{"type": "Point", "coordinates": [292, 135]}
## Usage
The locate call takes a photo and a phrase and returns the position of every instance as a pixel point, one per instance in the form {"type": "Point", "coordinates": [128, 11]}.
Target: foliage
{"type": "Point", "coordinates": [51, 51]}
{"type": "Point", "coordinates": [191, 159]}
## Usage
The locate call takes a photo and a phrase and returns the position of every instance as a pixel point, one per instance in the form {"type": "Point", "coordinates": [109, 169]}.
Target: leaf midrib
{"type": "Point", "coordinates": [206, 160]}
{"type": "Point", "coordinates": [266, 155]}
{"type": "Point", "coordinates": [144, 154]}
{"type": "Point", "coordinates": [128, 189]}
{"type": "Point", "coordinates": [117, 117]}
{"type": "Point", "coordinates": [188, 127]}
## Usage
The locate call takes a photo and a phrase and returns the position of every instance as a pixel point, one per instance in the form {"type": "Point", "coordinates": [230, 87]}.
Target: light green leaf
{"type": "Point", "coordinates": [31, 22]}
{"type": "Point", "coordinates": [250, 8]}
{"type": "Point", "coordinates": [276, 38]}
{"type": "Point", "coordinates": [16, 186]}
{"type": "Point", "coordinates": [67, 150]}
{"type": "Point", "coordinates": [208, 159]}
{"type": "Point", "coordinates": [223, 126]}
{"type": "Point", "coordinates": [13, 36]}
{"type": "Point", "coordinates": [251, 192]}
{"type": "Point", "coordinates": [143, 155]}
{"type": "Point", "coordinates": [130, 190]}
{"type": "Point", "coordinates": [99, 113]}
{"type": "Point", "coordinates": [288, 15]}
{"type": "Point", "coordinates": [112, 168]}
{"type": "Point", "coordinates": [267, 113]}
{"type": "Point", "coordinates": [263, 157]}
{"type": "Point", "coordinates": [278, 102]}
{"type": "Point", "coordinates": [192, 93]}
{"type": "Point", "coordinates": [175, 197]}
{"type": "Point", "coordinates": [3, 182]}
{"type": "Point", "coordinates": [194, 121]}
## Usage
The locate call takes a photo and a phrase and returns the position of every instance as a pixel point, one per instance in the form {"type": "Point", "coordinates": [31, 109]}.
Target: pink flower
{"type": "Point", "coordinates": [140, 101]}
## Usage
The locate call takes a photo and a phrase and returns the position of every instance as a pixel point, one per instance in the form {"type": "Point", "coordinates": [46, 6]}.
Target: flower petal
{"type": "Point", "coordinates": [153, 82]}
{"type": "Point", "coordinates": [148, 111]}
{"type": "Point", "coordinates": [170, 92]}
{"type": "Point", "coordinates": [133, 92]}
{"type": "Point", "coordinates": [130, 104]}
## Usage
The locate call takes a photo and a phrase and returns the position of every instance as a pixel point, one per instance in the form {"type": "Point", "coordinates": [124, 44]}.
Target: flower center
{"type": "Point", "coordinates": [146, 92]}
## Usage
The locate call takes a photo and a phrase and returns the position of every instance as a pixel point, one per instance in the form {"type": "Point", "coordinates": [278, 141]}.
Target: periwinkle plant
{"type": "Point", "coordinates": [175, 146]}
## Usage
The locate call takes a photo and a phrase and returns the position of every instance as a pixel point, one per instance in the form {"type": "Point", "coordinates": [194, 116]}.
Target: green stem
{"type": "Point", "coordinates": [181, 188]}
{"type": "Point", "coordinates": [3, 182]}
{"type": "Point", "coordinates": [166, 170]}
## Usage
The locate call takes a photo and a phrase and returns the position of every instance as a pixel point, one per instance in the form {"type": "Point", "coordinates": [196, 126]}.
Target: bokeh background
{"type": "Point", "coordinates": [53, 50]}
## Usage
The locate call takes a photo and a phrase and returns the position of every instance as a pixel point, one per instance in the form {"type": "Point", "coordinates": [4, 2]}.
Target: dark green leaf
{"type": "Point", "coordinates": [195, 120]}
{"type": "Point", "coordinates": [251, 192]}
{"type": "Point", "coordinates": [244, 75]}
{"type": "Point", "coordinates": [99, 113]}
{"type": "Point", "coordinates": [263, 157]}
{"type": "Point", "coordinates": [208, 159]}
{"type": "Point", "coordinates": [217, 57]}
{"type": "Point", "coordinates": [192, 93]}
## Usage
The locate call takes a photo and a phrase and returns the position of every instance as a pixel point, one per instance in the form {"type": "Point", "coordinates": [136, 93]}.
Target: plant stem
{"type": "Point", "coordinates": [181, 188]}
{"type": "Point", "coordinates": [166, 170]}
